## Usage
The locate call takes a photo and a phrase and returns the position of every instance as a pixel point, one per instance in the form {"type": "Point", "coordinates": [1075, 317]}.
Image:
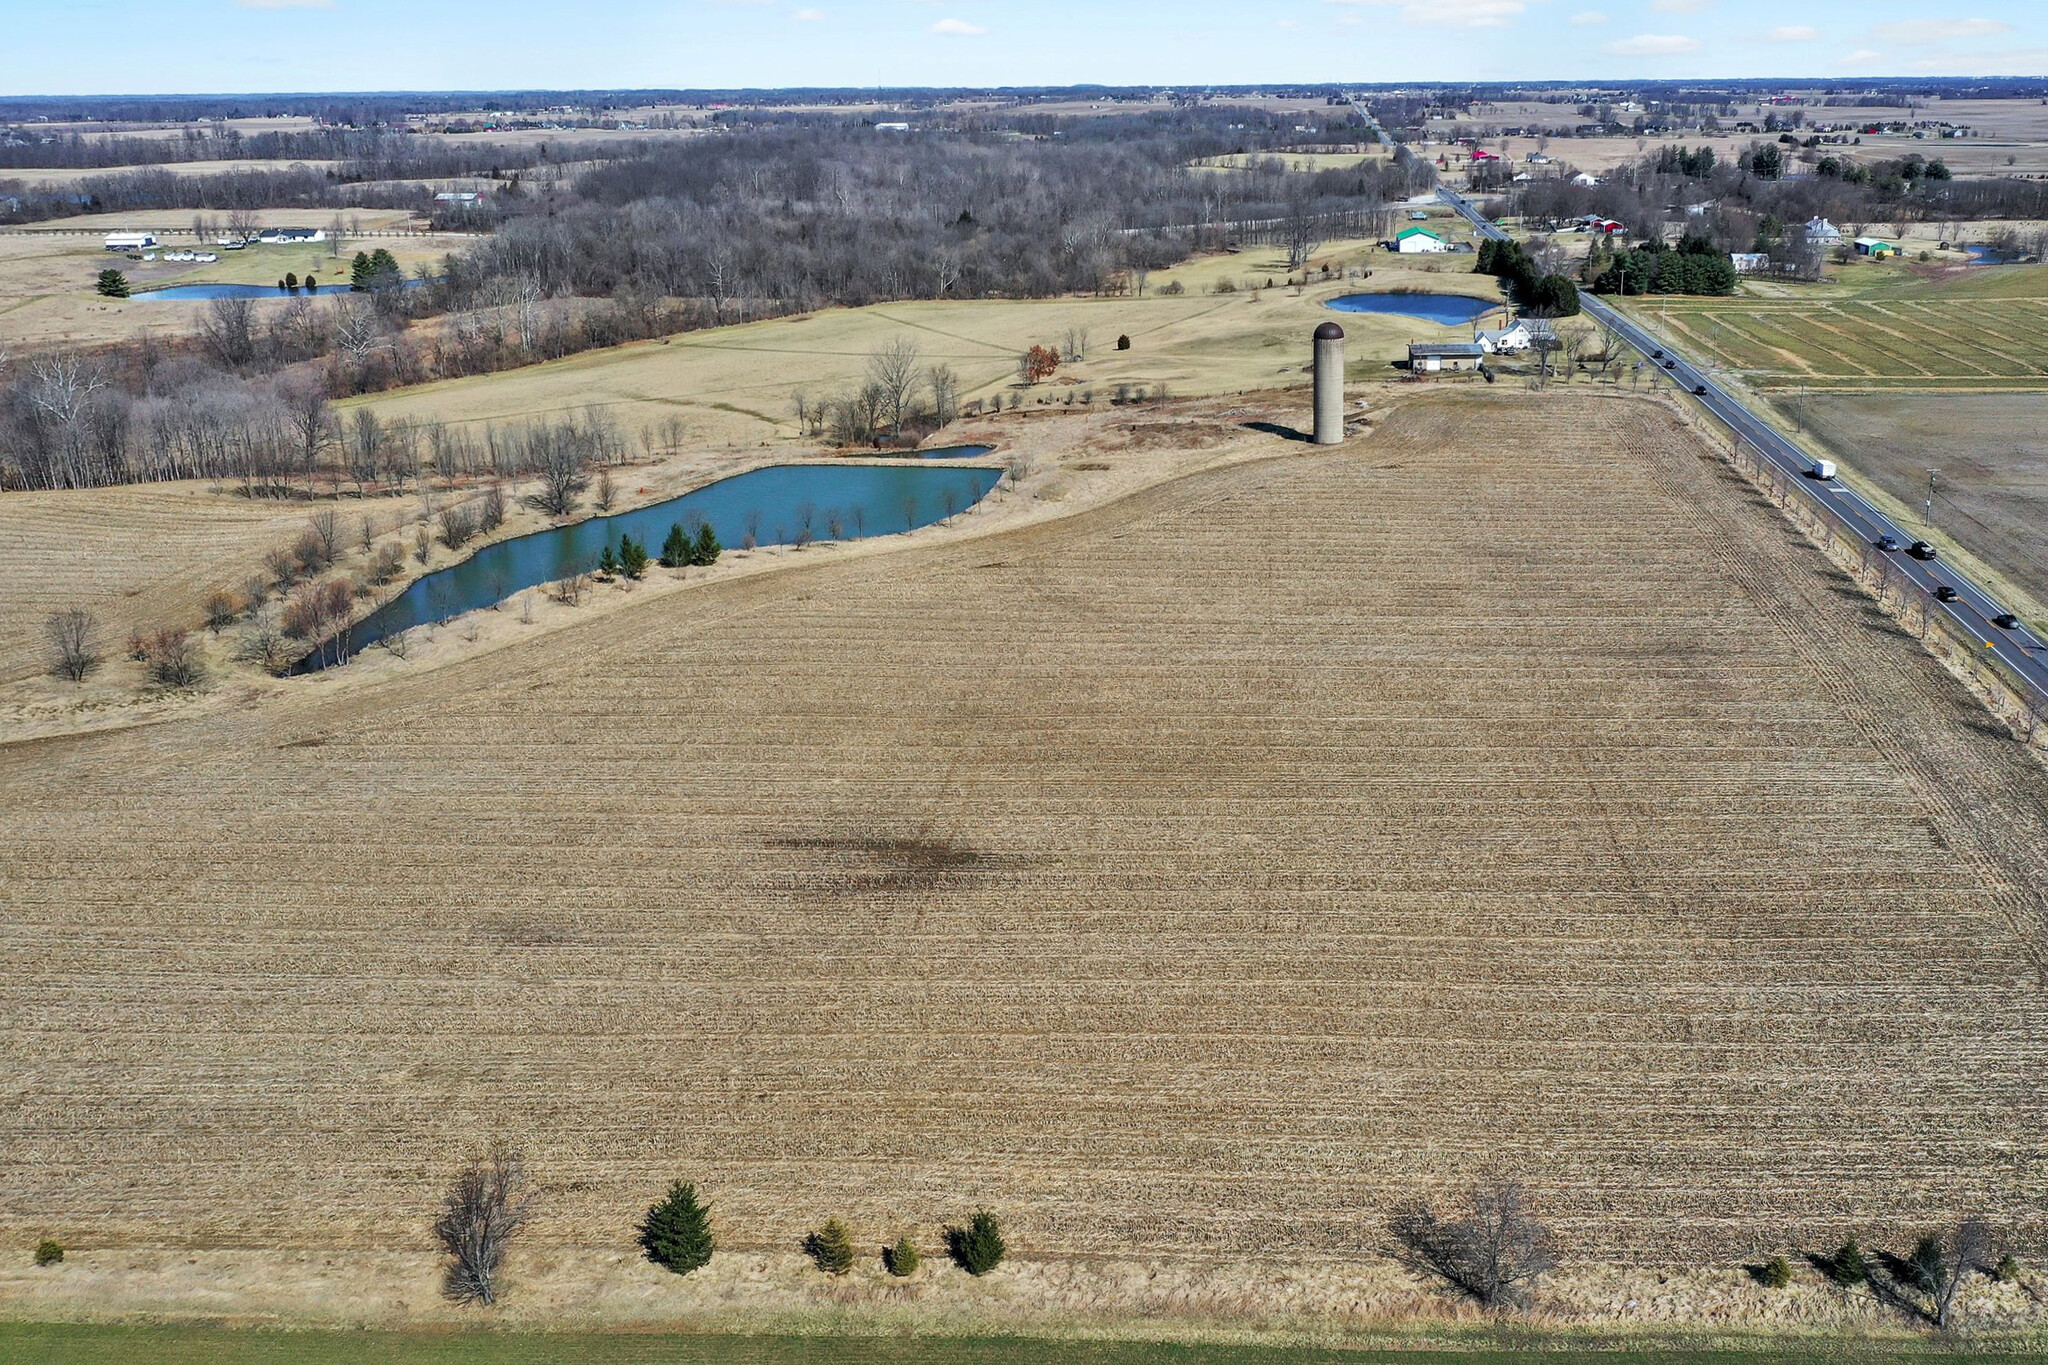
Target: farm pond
{"type": "Point", "coordinates": [250, 291]}
{"type": "Point", "coordinates": [779, 505]}
{"type": "Point", "coordinates": [1448, 309]}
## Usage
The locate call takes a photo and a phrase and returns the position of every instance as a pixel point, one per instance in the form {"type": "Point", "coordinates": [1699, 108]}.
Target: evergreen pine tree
{"type": "Point", "coordinates": [1846, 1266]}
{"type": "Point", "coordinates": [676, 1234]}
{"type": "Point", "coordinates": [977, 1248]}
{"type": "Point", "coordinates": [113, 284]}
{"type": "Point", "coordinates": [902, 1259]}
{"type": "Point", "coordinates": [632, 557]}
{"type": "Point", "coordinates": [707, 548]}
{"type": "Point", "coordinates": [677, 551]}
{"type": "Point", "coordinates": [359, 272]}
{"type": "Point", "coordinates": [831, 1247]}
{"type": "Point", "coordinates": [608, 561]}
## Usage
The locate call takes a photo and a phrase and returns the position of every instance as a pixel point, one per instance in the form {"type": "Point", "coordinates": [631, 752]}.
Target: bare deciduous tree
{"type": "Point", "coordinates": [893, 369]}
{"type": "Point", "coordinates": [945, 390]}
{"type": "Point", "coordinates": [562, 478]}
{"type": "Point", "coordinates": [1492, 1250]}
{"type": "Point", "coordinates": [229, 329]}
{"type": "Point", "coordinates": [171, 658]}
{"type": "Point", "coordinates": [483, 1210]}
{"type": "Point", "coordinates": [606, 494]}
{"type": "Point", "coordinates": [73, 649]}
{"type": "Point", "coordinates": [1923, 1284]}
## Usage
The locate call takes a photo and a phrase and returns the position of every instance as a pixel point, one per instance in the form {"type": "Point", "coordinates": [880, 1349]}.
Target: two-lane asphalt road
{"type": "Point", "coordinates": [1973, 611]}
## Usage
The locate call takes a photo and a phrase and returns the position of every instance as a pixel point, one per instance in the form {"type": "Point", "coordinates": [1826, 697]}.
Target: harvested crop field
{"type": "Point", "coordinates": [1195, 875]}
{"type": "Point", "coordinates": [1991, 493]}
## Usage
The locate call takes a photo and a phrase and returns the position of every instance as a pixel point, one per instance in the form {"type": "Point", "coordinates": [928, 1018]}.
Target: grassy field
{"type": "Point", "coordinates": [80, 1345]}
{"type": "Point", "coordinates": [1877, 327]}
{"type": "Point", "coordinates": [734, 384]}
{"type": "Point", "coordinates": [1189, 877]}
{"type": "Point", "coordinates": [47, 276]}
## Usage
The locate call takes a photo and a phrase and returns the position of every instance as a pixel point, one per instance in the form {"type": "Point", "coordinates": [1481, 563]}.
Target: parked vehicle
{"type": "Point", "coordinates": [1822, 469]}
{"type": "Point", "coordinates": [1920, 549]}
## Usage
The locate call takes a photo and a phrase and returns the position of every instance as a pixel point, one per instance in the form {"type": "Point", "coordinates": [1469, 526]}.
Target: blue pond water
{"type": "Point", "coordinates": [1448, 309]}
{"type": "Point", "coordinates": [249, 291]}
{"type": "Point", "coordinates": [953, 452]}
{"type": "Point", "coordinates": [779, 505]}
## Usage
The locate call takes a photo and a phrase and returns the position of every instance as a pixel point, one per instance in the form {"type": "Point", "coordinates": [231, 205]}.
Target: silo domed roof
{"type": "Point", "coordinates": [1329, 331]}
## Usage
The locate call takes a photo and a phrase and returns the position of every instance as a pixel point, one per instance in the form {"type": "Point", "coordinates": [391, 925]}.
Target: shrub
{"type": "Point", "coordinates": [676, 1234]}
{"type": "Point", "coordinates": [902, 1259]}
{"type": "Point", "coordinates": [48, 1252]}
{"type": "Point", "coordinates": [221, 610]}
{"type": "Point", "coordinates": [2007, 1271]}
{"type": "Point", "coordinates": [171, 658]}
{"type": "Point", "coordinates": [830, 1247]}
{"type": "Point", "coordinates": [977, 1248]}
{"type": "Point", "coordinates": [491, 508]}
{"type": "Point", "coordinates": [459, 525]}
{"type": "Point", "coordinates": [1174, 289]}
{"type": "Point", "coordinates": [1774, 1273]}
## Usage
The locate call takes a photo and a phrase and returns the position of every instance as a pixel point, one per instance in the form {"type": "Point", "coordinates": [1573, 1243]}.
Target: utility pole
{"type": "Point", "coordinates": [1930, 495]}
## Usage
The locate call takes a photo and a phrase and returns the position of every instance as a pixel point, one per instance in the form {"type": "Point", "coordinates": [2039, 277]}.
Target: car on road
{"type": "Point", "coordinates": [1656, 355]}
{"type": "Point", "coordinates": [1699, 388]}
{"type": "Point", "coordinates": [1944, 593]}
{"type": "Point", "coordinates": [2006, 622]}
{"type": "Point", "coordinates": [1888, 544]}
{"type": "Point", "coordinates": [1920, 549]}
{"type": "Point", "coordinates": [1670, 364]}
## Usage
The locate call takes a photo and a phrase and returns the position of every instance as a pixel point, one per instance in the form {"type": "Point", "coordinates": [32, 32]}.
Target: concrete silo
{"type": "Point", "coordinates": [1329, 384]}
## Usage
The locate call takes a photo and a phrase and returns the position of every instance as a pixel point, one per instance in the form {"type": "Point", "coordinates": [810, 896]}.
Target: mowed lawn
{"type": "Point", "coordinates": [1193, 877]}
{"type": "Point", "coordinates": [1881, 327]}
{"type": "Point", "coordinates": [68, 1344]}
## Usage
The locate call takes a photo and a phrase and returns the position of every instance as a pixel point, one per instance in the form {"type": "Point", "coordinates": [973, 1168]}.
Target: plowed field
{"type": "Point", "coordinates": [1195, 874]}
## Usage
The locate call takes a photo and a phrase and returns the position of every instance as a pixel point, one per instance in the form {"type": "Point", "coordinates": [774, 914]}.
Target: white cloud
{"type": "Point", "coordinates": [1680, 6]}
{"type": "Point", "coordinates": [1653, 45]}
{"type": "Point", "coordinates": [1862, 56]}
{"type": "Point", "coordinates": [1451, 13]}
{"type": "Point", "coordinates": [958, 28]}
{"type": "Point", "coordinates": [284, 4]}
{"type": "Point", "coordinates": [1794, 33]}
{"type": "Point", "coordinates": [1589, 16]}
{"type": "Point", "coordinates": [808, 16]}
{"type": "Point", "coordinates": [1937, 30]}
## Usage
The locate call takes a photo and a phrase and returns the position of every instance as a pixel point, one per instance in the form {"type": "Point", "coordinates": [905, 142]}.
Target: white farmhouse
{"type": "Point", "coordinates": [1512, 339]}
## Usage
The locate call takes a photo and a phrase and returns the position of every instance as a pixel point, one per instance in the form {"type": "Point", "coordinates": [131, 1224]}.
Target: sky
{"type": "Point", "coordinates": [53, 47]}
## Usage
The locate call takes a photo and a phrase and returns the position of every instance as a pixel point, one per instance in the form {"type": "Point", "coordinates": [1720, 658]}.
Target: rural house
{"type": "Point", "coordinates": [1821, 232]}
{"type": "Point", "coordinates": [1509, 340]}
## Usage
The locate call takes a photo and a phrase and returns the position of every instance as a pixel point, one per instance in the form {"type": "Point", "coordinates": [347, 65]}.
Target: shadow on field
{"type": "Point", "coordinates": [860, 864]}
{"type": "Point", "coordinates": [1275, 429]}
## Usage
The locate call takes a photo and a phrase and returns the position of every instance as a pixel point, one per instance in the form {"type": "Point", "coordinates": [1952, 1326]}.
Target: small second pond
{"type": "Point", "coordinates": [1451, 310]}
{"type": "Point", "coordinates": [779, 505]}
{"type": "Point", "coordinates": [250, 291]}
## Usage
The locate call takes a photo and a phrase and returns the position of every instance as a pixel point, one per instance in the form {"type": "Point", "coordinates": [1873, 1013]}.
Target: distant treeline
{"type": "Point", "coordinates": [32, 148]}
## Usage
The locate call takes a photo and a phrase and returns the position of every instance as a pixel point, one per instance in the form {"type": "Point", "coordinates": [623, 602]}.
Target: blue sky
{"type": "Point", "coordinates": [97, 46]}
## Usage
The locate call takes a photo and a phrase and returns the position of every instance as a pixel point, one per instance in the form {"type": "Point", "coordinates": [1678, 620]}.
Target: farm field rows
{"type": "Point", "coordinates": [1897, 341]}
{"type": "Point", "coordinates": [1190, 877]}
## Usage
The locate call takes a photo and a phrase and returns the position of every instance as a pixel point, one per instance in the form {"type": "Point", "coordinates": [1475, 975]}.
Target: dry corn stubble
{"type": "Point", "coordinates": [1196, 875]}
